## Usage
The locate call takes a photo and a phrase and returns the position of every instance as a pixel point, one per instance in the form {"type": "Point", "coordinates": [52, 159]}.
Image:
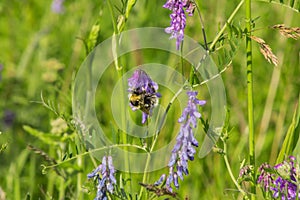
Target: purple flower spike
{"type": "Point", "coordinates": [95, 172]}
{"type": "Point", "coordinates": [178, 18]}
{"type": "Point", "coordinates": [160, 180]}
{"type": "Point", "coordinates": [184, 150]}
{"type": "Point", "coordinates": [143, 93]}
{"type": "Point", "coordinates": [265, 178]}
{"type": "Point", "coordinates": [104, 174]}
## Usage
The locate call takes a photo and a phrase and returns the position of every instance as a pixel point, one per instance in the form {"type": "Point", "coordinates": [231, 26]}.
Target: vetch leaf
{"type": "Point", "coordinates": [225, 53]}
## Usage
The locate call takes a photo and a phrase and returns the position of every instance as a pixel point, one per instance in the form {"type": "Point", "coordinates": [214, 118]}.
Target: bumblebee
{"type": "Point", "coordinates": [142, 100]}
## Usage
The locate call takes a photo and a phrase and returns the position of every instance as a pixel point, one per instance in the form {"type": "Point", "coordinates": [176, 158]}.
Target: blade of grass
{"type": "Point", "coordinates": [291, 136]}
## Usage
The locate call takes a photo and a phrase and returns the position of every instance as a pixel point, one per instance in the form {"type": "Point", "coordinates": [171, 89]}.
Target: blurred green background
{"type": "Point", "coordinates": [41, 51]}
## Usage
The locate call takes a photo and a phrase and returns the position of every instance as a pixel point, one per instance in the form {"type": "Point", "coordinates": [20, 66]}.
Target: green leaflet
{"type": "Point", "coordinates": [228, 46]}
{"type": "Point", "coordinates": [223, 52]}
{"type": "Point", "coordinates": [291, 137]}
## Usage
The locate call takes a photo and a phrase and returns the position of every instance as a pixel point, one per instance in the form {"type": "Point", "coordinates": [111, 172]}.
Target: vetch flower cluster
{"type": "Point", "coordinates": [265, 178]}
{"type": "Point", "coordinates": [143, 93]}
{"type": "Point", "coordinates": [183, 150]}
{"type": "Point", "coordinates": [179, 9]}
{"type": "Point", "coordinates": [104, 174]}
{"type": "Point", "coordinates": [286, 184]}
{"type": "Point", "coordinates": [245, 173]}
{"type": "Point", "coordinates": [282, 180]}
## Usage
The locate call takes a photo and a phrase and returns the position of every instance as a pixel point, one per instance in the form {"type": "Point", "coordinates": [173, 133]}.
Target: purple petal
{"type": "Point", "coordinates": [160, 180]}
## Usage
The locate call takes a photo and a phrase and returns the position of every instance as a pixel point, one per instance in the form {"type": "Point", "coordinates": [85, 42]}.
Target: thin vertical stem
{"type": "Point", "coordinates": [250, 94]}
{"type": "Point", "coordinates": [230, 171]}
{"type": "Point", "coordinates": [79, 179]}
{"type": "Point", "coordinates": [119, 69]}
{"type": "Point", "coordinates": [202, 27]}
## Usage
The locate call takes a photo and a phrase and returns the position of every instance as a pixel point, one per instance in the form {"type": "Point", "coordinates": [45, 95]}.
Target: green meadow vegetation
{"type": "Point", "coordinates": [43, 154]}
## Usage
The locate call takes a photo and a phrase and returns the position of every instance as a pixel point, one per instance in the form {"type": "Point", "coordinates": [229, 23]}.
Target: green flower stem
{"type": "Point", "coordinates": [202, 25]}
{"type": "Point", "coordinates": [119, 69]}
{"type": "Point", "coordinates": [89, 153]}
{"type": "Point", "coordinates": [229, 170]}
{"type": "Point", "coordinates": [145, 174]}
{"type": "Point", "coordinates": [225, 25]}
{"type": "Point", "coordinates": [250, 95]}
{"type": "Point", "coordinates": [79, 179]}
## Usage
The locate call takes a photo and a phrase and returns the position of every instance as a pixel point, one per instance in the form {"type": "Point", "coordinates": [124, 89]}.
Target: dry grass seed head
{"type": "Point", "coordinates": [289, 32]}
{"type": "Point", "coordinates": [266, 50]}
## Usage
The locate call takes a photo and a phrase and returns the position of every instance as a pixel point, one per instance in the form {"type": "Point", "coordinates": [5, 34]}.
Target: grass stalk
{"type": "Point", "coordinates": [250, 95]}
